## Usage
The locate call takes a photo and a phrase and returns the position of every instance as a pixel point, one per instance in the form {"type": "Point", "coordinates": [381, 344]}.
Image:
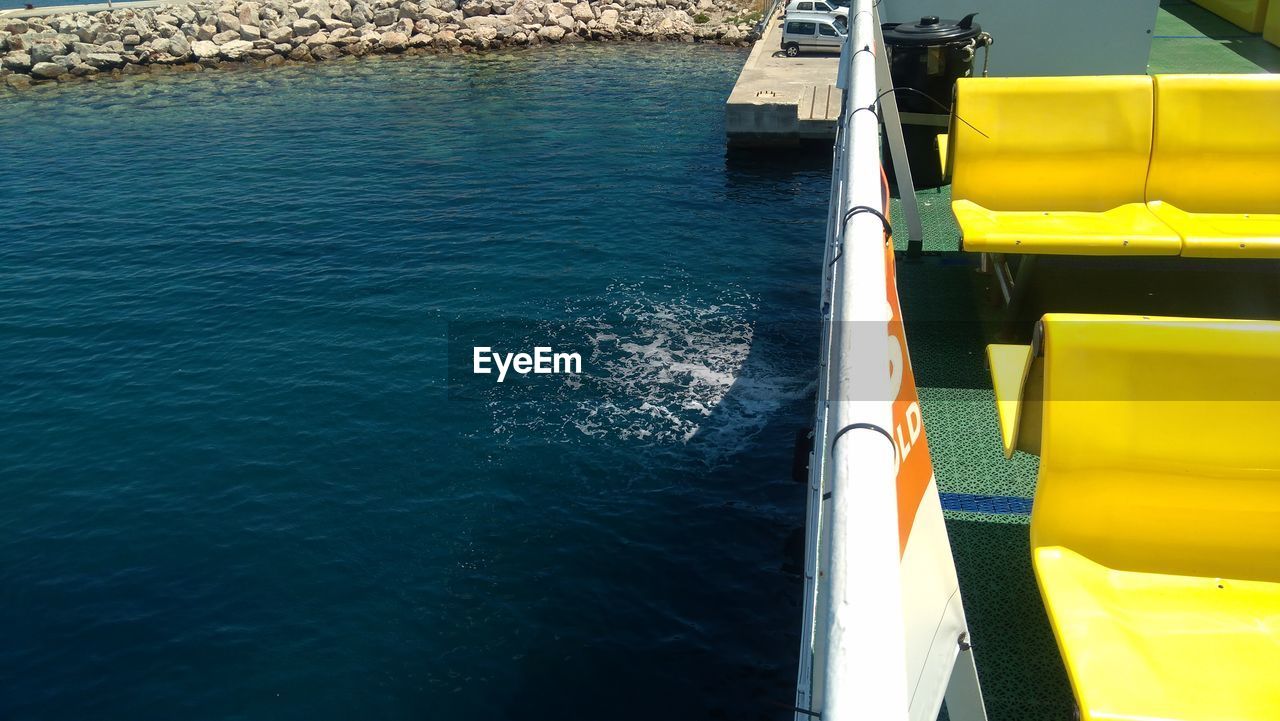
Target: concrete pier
{"type": "Point", "coordinates": [780, 100]}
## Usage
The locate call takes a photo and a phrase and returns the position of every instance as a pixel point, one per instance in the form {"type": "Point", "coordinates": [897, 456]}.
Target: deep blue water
{"type": "Point", "coordinates": [234, 481]}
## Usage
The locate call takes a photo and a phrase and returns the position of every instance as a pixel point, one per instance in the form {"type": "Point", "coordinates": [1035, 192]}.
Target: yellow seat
{"type": "Point", "coordinates": [1247, 14]}
{"type": "Point", "coordinates": [1155, 644]}
{"type": "Point", "coordinates": [1215, 163]}
{"type": "Point", "coordinates": [1129, 229]}
{"type": "Point", "coordinates": [1223, 235]}
{"type": "Point", "coordinates": [1055, 165]}
{"type": "Point", "coordinates": [1155, 530]}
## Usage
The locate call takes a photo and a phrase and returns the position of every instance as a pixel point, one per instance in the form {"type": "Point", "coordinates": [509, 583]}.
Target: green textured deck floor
{"type": "Point", "coordinates": [951, 317]}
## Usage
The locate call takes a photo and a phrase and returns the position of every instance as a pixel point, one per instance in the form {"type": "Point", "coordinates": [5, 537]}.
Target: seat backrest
{"type": "Point", "coordinates": [1160, 448]}
{"type": "Point", "coordinates": [1052, 144]}
{"type": "Point", "coordinates": [1217, 143]}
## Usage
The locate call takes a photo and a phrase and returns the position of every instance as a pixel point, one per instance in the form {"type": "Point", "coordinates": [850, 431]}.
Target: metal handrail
{"type": "Point", "coordinates": [767, 17]}
{"type": "Point", "coordinates": [852, 656]}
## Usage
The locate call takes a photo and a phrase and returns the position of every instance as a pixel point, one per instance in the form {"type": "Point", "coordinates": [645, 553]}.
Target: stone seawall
{"type": "Point", "coordinates": [76, 45]}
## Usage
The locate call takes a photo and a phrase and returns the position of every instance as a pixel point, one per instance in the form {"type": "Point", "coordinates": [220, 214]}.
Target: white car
{"type": "Point", "coordinates": [816, 6]}
{"type": "Point", "coordinates": [812, 32]}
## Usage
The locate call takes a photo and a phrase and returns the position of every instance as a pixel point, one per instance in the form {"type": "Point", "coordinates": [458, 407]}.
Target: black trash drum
{"type": "Point", "coordinates": [928, 56]}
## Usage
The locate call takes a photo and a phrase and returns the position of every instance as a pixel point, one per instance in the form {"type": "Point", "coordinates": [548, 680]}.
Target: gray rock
{"type": "Point", "coordinates": [204, 49]}
{"type": "Point", "coordinates": [315, 41]}
{"type": "Point", "coordinates": [394, 41]}
{"type": "Point", "coordinates": [283, 48]}
{"type": "Point", "coordinates": [435, 14]}
{"type": "Point", "coordinates": [300, 53]}
{"type": "Point", "coordinates": [86, 34]}
{"type": "Point", "coordinates": [446, 39]}
{"type": "Point", "coordinates": [83, 49]}
{"type": "Point", "coordinates": [409, 10]}
{"type": "Point", "coordinates": [48, 71]}
{"type": "Point", "coordinates": [227, 21]}
{"type": "Point", "coordinates": [280, 35]}
{"type": "Point", "coordinates": [250, 32]}
{"type": "Point", "coordinates": [326, 52]}
{"type": "Point", "coordinates": [582, 11]}
{"type": "Point", "coordinates": [206, 32]}
{"type": "Point", "coordinates": [385, 17]}
{"type": "Point", "coordinates": [260, 53]}
{"type": "Point", "coordinates": [421, 40]}
{"type": "Point", "coordinates": [104, 61]}
{"type": "Point", "coordinates": [226, 37]}
{"type": "Point", "coordinates": [476, 22]}
{"type": "Point", "coordinates": [82, 70]}
{"type": "Point", "coordinates": [130, 40]}
{"type": "Point", "coordinates": [551, 33]}
{"type": "Point", "coordinates": [335, 24]}
{"type": "Point", "coordinates": [248, 14]}
{"type": "Point", "coordinates": [18, 81]}
{"type": "Point", "coordinates": [17, 27]}
{"type": "Point", "coordinates": [609, 18]}
{"type": "Point", "coordinates": [361, 15]}
{"type": "Point", "coordinates": [17, 61]}
{"type": "Point", "coordinates": [45, 51]}
{"type": "Point", "coordinates": [235, 49]}
{"type": "Point", "coordinates": [179, 47]}
{"type": "Point", "coordinates": [313, 9]}
{"type": "Point", "coordinates": [304, 27]}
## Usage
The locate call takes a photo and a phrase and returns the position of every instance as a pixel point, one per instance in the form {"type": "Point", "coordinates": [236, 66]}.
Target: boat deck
{"type": "Point", "coordinates": [951, 317]}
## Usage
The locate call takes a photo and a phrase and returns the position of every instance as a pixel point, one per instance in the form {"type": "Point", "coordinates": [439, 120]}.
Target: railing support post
{"type": "Point", "coordinates": [892, 122]}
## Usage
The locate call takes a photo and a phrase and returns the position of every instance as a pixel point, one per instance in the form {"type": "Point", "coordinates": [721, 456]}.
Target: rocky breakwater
{"type": "Point", "coordinates": [199, 35]}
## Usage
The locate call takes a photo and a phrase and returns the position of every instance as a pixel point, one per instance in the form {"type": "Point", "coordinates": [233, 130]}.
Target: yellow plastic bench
{"type": "Point", "coordinates": [1155, 530]}
{"type": "Point", "coordinates": [1247, 14]}
{"type": "Point", "coordinates": [1215, 163]}
{"type": "Point", "coordinates": [1055, 166]}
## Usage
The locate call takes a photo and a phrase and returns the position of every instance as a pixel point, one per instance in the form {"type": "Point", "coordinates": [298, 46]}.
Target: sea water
{"type": "Point", "coordinates": [244, 478]}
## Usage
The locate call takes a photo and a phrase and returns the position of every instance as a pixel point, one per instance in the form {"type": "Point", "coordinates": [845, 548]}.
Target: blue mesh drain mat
{"type": "Point", "coordinates": [985, 504]}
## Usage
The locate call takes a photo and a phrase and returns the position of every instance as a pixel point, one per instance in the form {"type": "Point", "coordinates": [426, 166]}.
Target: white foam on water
{"type": "Point", "coordinates": [667, 367]}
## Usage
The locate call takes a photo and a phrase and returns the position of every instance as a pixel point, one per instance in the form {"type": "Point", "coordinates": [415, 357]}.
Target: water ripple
{"type": "Point", "coordinates": [235, 482]}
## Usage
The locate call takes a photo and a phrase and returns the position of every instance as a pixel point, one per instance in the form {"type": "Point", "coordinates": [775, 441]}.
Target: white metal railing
{"type": "Point", "coordinates": [853, 663]}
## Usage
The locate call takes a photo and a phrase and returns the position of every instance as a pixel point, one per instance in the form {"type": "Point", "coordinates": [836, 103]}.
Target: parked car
{"type": "Point", "coordinates": [829, 7]}
{"type": "Point", "coordinates": [812, 32]}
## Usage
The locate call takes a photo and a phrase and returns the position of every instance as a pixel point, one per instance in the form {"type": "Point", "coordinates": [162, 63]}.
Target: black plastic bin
{"type": "Point", "coordinates": [928, 56]}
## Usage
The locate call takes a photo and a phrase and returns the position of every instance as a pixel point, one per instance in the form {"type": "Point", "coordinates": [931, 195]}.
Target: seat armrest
{"type": "Point", "coordinates": [943, 141]}
{"type": "Point", "coordinates": [1017, 377]}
